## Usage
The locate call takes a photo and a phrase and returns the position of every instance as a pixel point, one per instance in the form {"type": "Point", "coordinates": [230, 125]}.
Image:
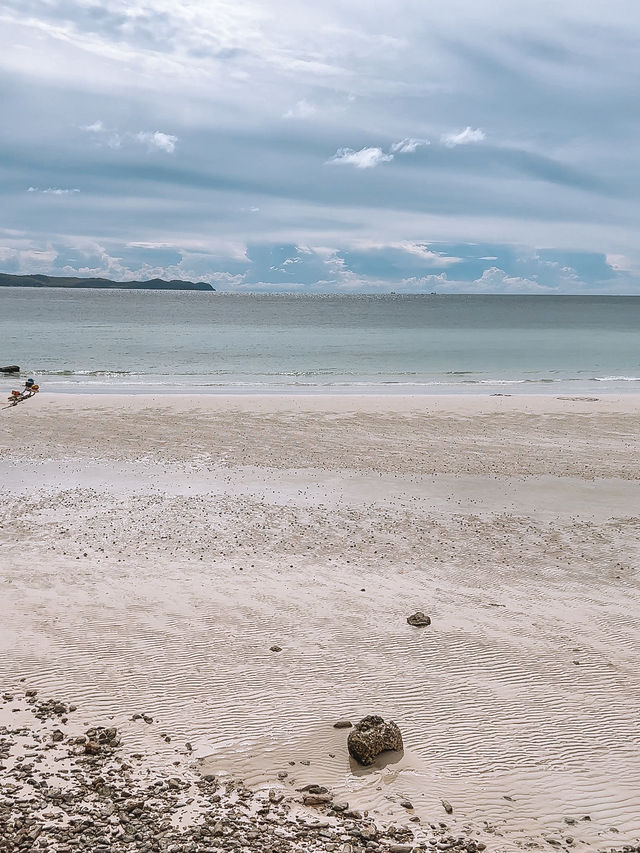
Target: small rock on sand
{"type": "Point", "coordinates": [275, 649]}
{"type": "Point", "coordinates": [343, 724]}
{"type": "Point", "coordinates": [446, 805]}
{"type": "Point", "coordinates": [419, 620]}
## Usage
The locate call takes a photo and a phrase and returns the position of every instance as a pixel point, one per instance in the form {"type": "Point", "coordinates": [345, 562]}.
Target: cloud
{"type": "Point", "coordinates": [402, 268]}
{"type": "Point", "coordinates": [555, 92]}
{"type": "Point", "coordinates": [496, 280]}
{"type": "Point", "coordinates": [425, 254]}
{"type": "Point", "coordinates": [53, 190]}
{"type": "Point", "coordinates": [158, 140]}
{"type": "Point", "coordinates": [468, 136]}
{"type": "Point", "coordinates": [154, 140]}
{"type": "Point", "coordinates": [365, 158]}
{"type": "Point", "coordinates": [302, 109]}
{"type": "Point", "coordinates": [408, 145]}
{"type": "Point", "coordinates": [369, 158]}
{"type": "Point", "coordinates": [619, 262]}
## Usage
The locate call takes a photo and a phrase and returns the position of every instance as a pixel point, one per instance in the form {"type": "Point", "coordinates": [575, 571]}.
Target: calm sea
{"type": "Point", "coordinates": [140, 341]}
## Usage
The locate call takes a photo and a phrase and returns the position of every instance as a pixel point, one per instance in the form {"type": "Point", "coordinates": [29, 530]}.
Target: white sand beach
{"type": "Point", "coordinates": [154, 548]}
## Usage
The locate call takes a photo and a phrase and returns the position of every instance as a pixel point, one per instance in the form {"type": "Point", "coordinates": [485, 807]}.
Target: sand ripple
{"type": "Point", "coordinates": [129, 597]}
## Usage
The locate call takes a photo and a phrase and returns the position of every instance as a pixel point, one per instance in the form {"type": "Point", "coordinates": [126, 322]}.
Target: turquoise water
{"type": "Point", "coordinates": [135, 341]}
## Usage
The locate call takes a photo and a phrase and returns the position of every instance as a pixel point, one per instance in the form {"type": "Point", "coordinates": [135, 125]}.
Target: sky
{"type": "Point", "coordinates": [482, 146]}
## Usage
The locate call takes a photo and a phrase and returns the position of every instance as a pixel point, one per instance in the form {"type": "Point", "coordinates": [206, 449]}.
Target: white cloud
{"type": "Point", "coordinates": [467, 136]}
{"type": "Point", "coordinates": [158, 140]}
{"type": "Point", "coordinates": [27, 261]}
{"type": "Point", "coordinates": [149, 245]}
{"type": "Point", "coordinates": [408, 145]}
{"type": "Point", "coordinates": [423, 251]}
{"type": "Point", "coordinates": [495, 280]}
{"type": "Point", "coordinates": [96, 127]}
{"type": "Point", "coordinates": [411, 247]}
{"type": "Point", "coordinates": [369, 158]}
{"type": "Point", "coordinates": [154, 140]}
{"type": "Point", "coordinates": [365, 158]}
{"type": "Point", "coordinates": [302, 109]}
{"type": "Point", "coordinates": [53, 190]}
{"type": "Point", "coordinates": [620, 263]}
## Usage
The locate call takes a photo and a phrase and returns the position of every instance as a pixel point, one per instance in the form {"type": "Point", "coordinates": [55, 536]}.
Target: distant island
{"type": "Point", "coordinates": [7, 280]}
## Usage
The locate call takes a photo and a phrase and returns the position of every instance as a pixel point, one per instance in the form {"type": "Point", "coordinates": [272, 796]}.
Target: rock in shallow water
{"type": "Point", "coordinates": [370, 737]}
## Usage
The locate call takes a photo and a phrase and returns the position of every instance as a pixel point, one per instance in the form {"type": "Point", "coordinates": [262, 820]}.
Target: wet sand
{"type": "Point", "coordinates": [155, 548]}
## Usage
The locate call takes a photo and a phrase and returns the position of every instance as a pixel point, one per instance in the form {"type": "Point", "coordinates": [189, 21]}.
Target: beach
{"type": "Point", "coordinates": [156, 547]}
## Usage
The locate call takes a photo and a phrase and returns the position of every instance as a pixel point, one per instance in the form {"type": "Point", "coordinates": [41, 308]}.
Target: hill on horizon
{"type": "Point", "coordinates": [41, 280]}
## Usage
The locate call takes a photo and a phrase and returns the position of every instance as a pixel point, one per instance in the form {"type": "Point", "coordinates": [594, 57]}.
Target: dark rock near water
{"type": "Point", "coordinates": [419, 620]}
{"type": "Point", "coordinates": [10, 368]}
{"type": "Point", "coordinates": [371, 736]}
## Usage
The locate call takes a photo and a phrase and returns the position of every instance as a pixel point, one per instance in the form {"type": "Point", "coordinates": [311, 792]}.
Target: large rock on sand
{"type": "Point", "coordinates": [370, 737]}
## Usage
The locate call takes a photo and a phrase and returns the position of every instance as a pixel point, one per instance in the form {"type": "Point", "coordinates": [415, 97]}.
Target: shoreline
{"type": "Point", "coordinates": [398, 404]}
{"type": "Point", "coordinates": [498, 389]}
{"type": "Point", "coordinates": [438, 398]}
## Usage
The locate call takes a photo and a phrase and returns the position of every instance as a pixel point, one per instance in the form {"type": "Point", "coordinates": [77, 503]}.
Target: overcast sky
{"type": "Point", "coordinates": [341, 145]}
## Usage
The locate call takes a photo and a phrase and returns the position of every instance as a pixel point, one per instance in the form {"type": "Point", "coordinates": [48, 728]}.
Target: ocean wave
{"type": "Point", "coordinates": [615, 378]}
{"type": "Point", "coordinates": [123, 381]}
{"type": "Point", "coordinates": [83, 372]}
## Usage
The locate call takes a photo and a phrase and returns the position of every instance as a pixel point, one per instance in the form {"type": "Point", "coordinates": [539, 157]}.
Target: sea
{"type": "Point", "coordinates": [199, 342]}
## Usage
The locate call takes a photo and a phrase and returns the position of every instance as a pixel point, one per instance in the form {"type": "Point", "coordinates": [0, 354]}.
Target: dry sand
{"type": "Point", "coordinates": [155, 548]}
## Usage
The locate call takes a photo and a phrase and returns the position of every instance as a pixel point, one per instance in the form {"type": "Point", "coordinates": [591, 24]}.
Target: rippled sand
{"type": "Point", "coordinates": [153, 549]}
